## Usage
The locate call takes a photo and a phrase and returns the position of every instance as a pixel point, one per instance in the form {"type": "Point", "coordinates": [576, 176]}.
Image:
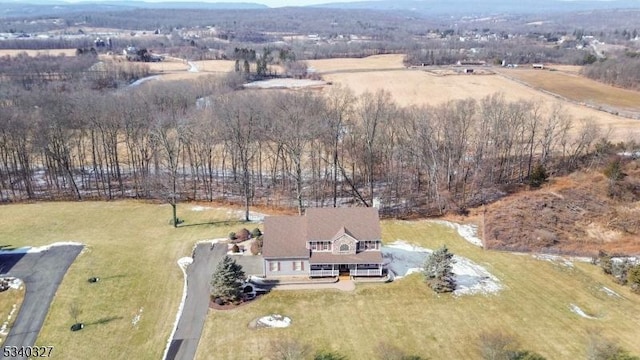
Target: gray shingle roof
{"type": "Point", "coordinates": [287, 236]}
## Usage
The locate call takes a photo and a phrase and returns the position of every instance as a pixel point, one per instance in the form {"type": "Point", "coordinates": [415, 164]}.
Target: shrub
{"type": "Point", "coordinates": [243, 235]}
{"type": "Point", "coordinates": [256, 233]}
{"type": "Point", "coordinates": [325, 355]}
{"type": "Point", "coordinates": [538, 176]}
{"type": "Point", "coordinates": [603, 349]}
{"type": "Point", "coordinates": [288, 349]}
{"type": "Point", "coordinates": [497, 345]}
{"type": "Point", "coordinates": [232, 236]}
{"type": "Point", "coordinates": [633, 276]}
{"type": "Point", "coordinates": [235, 248]}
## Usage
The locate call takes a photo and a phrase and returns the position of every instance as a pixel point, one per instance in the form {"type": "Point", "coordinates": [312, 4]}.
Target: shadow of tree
{"type": "Point", "coordinates": [104, 320]}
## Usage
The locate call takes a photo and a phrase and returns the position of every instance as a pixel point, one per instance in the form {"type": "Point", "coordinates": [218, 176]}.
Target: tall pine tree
{"type": "Point", "coordinates": [226, 281]}
{"type": "Point", "coordinates": [438, 271]}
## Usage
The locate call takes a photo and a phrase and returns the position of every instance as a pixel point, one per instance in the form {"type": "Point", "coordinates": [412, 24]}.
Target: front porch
{"type": "Point", "coordinates": [332, 270]}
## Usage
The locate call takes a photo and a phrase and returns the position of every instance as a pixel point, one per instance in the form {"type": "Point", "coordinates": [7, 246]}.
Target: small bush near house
{"type": "Point", "coordinates": [235, 248]}
{"type": "Point", "coordinates": [256, 233]}
{"type": "Point", "coordinates": [232, 236]}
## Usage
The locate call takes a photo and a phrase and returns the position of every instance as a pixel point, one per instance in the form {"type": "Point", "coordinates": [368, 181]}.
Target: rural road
{"type": "Point", "coordinates": [185, 340]}
{"type": "Point", "coordinates": [42, 273]}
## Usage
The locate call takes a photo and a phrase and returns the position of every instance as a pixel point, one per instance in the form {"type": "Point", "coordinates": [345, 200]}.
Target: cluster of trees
{"type": "Point", "coordinates": [622, 71]}
{"type": "Point", "coordinates": [623, 270]}
{"type": "Point", "coordinates": [279, 148]}
{"type": "Point", "coordinates": [36, 72]}
{"type": "Point", "coordinates": [291, 349]}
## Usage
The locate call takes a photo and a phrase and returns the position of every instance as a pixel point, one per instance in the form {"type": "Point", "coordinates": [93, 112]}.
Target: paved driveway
{"type": "Point", "coordinates": [187, 335]}
{"type": "Point", "coordinates": [42, 273]}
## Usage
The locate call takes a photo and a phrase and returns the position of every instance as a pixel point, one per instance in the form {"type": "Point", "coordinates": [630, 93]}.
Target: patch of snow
{"type": "Point", "coordinates": [275, 321]}
{"type": "Point", "coordinates": [610, 292]}
{"type": "Point", "coordinates": [137, 317]}
{"type": "Point", "coordinates": [468, 232]}
{"type": "Point", "coordinates": [404, 259]}
{"type": "Point", "coordinates": [15, 283]}
{"type": "Point", "coordinates": [182, 263]}
{"type": "Point", "coordinates": [566, 261]}
{"type": "Point", "coordinates": [576, 309]}
{"type": "Point", "coordinates": [143, 80]}
{"type": "Point", "coordinates": [5, 325]}
{"type": "Point", "coordinates": [200, 208]}
{"type": "Point", "coordinates": [284, 83]}
{"type": "Point", "coordinates": [192, 67]}
{"type": "Point", "coordinates": [29, 249]}
{"type": "Point", "coordinates": [253, 216]}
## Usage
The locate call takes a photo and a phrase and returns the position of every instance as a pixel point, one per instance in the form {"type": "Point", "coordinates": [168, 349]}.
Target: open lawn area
{"type": "Point", "coordinates": [133, 249]}
{"type": "Point", "coordinates": [534, 307]}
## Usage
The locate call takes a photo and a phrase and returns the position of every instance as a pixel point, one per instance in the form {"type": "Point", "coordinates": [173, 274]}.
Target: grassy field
{"type": "Point", "coordinates": [134, 250]}
{"type": "Point", "coordinates": [9, 299]}
{"type": "Point", "coordinates": [578, 88]}
{"type": "Point", "coordinates": [534, 307]}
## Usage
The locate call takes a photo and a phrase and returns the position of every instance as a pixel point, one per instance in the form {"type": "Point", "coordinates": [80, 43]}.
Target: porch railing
{"type": "Point", "coordinates": [366, 272]}
{"type": "Point", "coordinates": [323, 273]}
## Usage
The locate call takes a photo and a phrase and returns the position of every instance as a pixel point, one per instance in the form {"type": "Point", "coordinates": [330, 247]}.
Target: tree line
{"type": "Point", "coordinates": [209, 140]}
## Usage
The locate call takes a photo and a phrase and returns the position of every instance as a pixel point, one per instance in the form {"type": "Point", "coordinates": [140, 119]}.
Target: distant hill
{"type": "Point", "coordinates": [17, 8]}
{"type": "Point", "coordinates": [460, 7]}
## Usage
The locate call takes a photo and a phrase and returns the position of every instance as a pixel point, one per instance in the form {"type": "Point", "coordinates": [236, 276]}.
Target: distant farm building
{"type": "Point", "coordinates": [468, 71]}
{"type": "Point", "coordinates": [471, 63]}
{"type": "Point", "coordinates": [538, 66]}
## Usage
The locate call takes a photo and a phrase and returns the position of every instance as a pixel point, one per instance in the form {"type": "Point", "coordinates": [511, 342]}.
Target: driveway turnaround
{"type": "Point", "coordinates": [185, 340]}
{"type": "Point", "coordinates": [41, 273]}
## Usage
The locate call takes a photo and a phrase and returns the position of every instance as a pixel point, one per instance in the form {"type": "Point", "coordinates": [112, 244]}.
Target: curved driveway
{"type": "Point", "coordinates": [42, 273]}
{"type": "Point", "coordinates": [185, 340]}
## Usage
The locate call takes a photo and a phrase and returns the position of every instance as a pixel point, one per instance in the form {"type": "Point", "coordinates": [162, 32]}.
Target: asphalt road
{"type": "Point", "coordinates": [42, 273]}
{"type": "Point", "coordinates": [189, 329]}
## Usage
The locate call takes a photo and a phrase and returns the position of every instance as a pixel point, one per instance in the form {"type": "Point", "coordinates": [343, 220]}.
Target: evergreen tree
{"type": "Point", "coordinates": [438, 270]}
{"type": "Point", "coordinates": [538, 176]}
{"type": "Point", "coordinates": [226, 281]}
{"type": "Point", "coordinates": [634, 278]}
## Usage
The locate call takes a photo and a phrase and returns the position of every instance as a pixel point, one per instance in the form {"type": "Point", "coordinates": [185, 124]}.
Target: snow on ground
{"type": "Point", "coordinates": [274, 321]}
{"type": "Point", "coordinates": [143, 80]}
{"type": "Point", "coordinates": [566, 261]}
{"type": "Point", "coordinates": [183, 263]}
{"type": "Point", "coordinates": [468, 231]}
{"type": "Point", "coordinates": [284, 83]}
{"type": "Point", "coordinates": [3, 329]}
{"type": "Point", "coordinates": [253, 216]}
{"type": "Point", "coordinates": [610, 292]}
{"type": "Point", "coordinates": [192, 67]}
{"type": "Point", "coordinates": [403, 259]}
{"type": "Point", "coordinates": [15, 283]}
{"type": "Point", "coordinates": [576, 309]}
{"type": "Point", "coordinates": [137, 317]}
{"type": "Point", "coordinates": [200, 208]}
{"type": "Point", "coordinates": [29, 249]}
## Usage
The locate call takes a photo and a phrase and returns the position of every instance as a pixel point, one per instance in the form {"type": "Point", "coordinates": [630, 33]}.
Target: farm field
{"type": "Point", "coordinates": [534, 307]}
{"type": "Point", "coordinates": [134, 251]}
{"type": "Point", "coordinates": [417, 87]}
{"type": "Point", "coordinates": [577, 88]}
{"type": "Point", "coordinates": [375, 62]}
{"type": "Point", "coordinates": [54, 52]}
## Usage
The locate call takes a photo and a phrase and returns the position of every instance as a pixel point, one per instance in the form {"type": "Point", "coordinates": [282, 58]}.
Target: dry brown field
{"type": "Point", "coordinates": [55, 52]}
{"type": "Point", "coordinates": [577, 88]}
{"type": "Point", "coordinates": [369, 63]}
{"type": "Point", "coordinates": [417, 87]}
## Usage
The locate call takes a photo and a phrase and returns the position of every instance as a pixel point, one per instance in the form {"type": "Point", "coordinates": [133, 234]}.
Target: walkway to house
{"type": "Point", "coordinates": [344, 285]}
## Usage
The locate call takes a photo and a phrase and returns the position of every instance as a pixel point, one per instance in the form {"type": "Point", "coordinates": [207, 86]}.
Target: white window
{"type": "Point", "coordinates": [274, 266]}
{"type": "Point", "coordinates": [297, 266]}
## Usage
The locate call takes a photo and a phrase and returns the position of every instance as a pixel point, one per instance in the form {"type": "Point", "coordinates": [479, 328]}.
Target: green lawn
{"type": "Point", "coordinates": [131, 247]}
{"type": "Point", "coordinates": [534, 307]}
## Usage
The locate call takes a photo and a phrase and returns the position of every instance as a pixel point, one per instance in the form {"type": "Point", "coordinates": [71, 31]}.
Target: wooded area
{"type": "Point", "coordinates": [59, 140]}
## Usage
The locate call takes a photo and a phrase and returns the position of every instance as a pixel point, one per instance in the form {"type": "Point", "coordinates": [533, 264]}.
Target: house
{"type": "Point", "coordinates": [538, 66]}
{"type": "Point", "coordinates": [324, 242]}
